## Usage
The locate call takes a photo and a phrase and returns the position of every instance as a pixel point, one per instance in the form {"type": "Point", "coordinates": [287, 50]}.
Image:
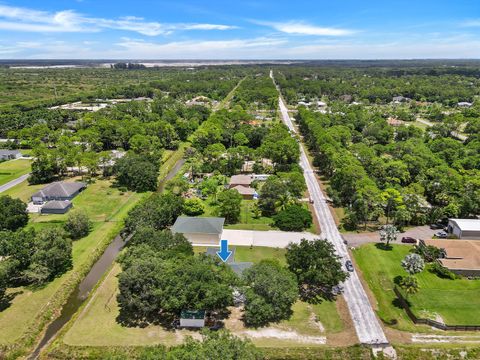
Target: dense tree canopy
{"type": "Point", "coordinates": [271, 291]}
{"type": "Point", "coordinates": [317, 268]}
{"type": "Point", "coordinates": [13, 213]}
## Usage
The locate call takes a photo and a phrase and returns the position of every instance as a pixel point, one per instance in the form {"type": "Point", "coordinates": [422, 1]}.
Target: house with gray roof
{"type": "Point", "coordinates": [200, 230]}
{"type": "Point", "coordinates": [9, 154]}
{"type": "Point", "coordinates": [237, 267]}
{"type": "Point", "coordinates": [58, 190]}
{"type": "Point", "coordinates": [56, 207]}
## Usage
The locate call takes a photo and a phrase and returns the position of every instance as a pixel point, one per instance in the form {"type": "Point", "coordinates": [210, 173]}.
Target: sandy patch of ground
{"type": "Point", "coordinates": [284, 335]}
{"type": "Point", "coordinates": [433, 338]}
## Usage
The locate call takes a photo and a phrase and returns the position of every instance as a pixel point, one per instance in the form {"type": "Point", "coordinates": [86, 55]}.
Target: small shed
{"type": "Point", "coordinates": [192, 318]}
{"type": "Point", "coordinates": [56, 207]}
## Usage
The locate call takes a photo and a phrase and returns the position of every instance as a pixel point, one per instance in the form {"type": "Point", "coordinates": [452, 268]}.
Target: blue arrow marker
{"type": "Point", "coordinates": [224, 253]}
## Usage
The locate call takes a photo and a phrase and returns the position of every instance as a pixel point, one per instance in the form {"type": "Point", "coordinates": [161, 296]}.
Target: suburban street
{"type": "Point", "coordinates": [366, 324]}
{"type": "Point", "coordinates": [12, 183]}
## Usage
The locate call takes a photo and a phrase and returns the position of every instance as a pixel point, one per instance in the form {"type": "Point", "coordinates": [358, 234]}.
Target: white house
{"type": "Point", "coordinates": [468, 229]}
{"type": "Point", "coordinates": [200, 230]}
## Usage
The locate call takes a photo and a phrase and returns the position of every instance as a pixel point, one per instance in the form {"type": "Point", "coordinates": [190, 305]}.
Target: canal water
{"type": "Point", "coordinates": [81, 292]}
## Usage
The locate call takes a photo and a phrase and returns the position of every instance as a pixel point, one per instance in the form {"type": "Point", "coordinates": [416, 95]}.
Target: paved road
{"type": "Point", "coordinates": [12, 183]}
{"type": "Point", "coordinates": [276, 239]}
{"type": "Point", "coordinates": [366, 324]}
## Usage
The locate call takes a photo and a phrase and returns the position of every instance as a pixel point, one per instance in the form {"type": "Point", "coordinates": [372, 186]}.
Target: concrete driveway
{"type": "Point", "coordinates": [275, 239]}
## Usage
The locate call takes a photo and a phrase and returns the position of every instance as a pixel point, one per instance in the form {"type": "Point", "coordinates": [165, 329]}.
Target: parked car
{"type": "Point", "coordinates": [349, 265]}
{"type": "Point", "coordinates": [337, 290]}
{"type": "Point", "coordinates": [409, 240]}
{"type": "Point", "coordinates": [436, 226]}
{"type": "Point", "coordinates": [441, 234]}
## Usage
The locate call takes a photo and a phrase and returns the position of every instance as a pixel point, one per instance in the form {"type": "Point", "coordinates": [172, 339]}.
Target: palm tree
{"type": "Point", "coordinates": [410, 285]}
{"type": "Point", "coordinates": [283, 201]}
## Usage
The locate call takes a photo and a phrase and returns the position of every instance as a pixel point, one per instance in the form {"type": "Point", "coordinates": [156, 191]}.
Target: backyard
{"type": "Point", "coordinates": [12, 169]}
{"type": "Point", "coordinates": [96, 323]}
{"type": "Point", "coordinates": [455, 302]}
{"type": "Point", "coordinates": [30, 305]}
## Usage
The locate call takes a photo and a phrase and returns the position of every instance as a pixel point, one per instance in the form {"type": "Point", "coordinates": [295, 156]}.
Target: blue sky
{"type": "Point", "coordinates": [211, 29]}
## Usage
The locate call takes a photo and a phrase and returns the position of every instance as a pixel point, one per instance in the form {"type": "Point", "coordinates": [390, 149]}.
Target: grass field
{"type": "Point", "coordinates": [455, 301]}
{"type": "Point", "coordinates": [12, 169]}
{"type": "Point", "coordinates": [28, 303]}
{"type": "Point", "coordinates": [96, 323]}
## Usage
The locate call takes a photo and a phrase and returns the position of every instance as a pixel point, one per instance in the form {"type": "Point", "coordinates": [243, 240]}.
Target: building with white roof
{"type": "Point", "coordinates": [468, 229]}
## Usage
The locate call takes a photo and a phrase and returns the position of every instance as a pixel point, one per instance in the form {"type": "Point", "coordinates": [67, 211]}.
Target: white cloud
{"type": "Point", "coordinates": [301, 28]}
{"type": "Point", "coordinates": [471, 23]}
{"type": "Point", "coordinates": [30, 20]}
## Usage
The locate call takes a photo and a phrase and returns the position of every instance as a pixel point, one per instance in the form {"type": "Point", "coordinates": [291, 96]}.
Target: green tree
{"type": "Point", "coordinates": [229, 205]}
{"type": "Point", "coordinates": [78, 224]}
{"type": "Point", "coordinates": [271, 292]}
{"type": "Point", "coordinates": [413, 264]}
{"type": "Point", "coordinates": [158, 211]}
{"type": "Point", "coordinates": [388, 234]}
{"type": "Point", "coordinates": [13, 213]}
{"type": "Point", "coordinates": [317, 268]}
{"type": "Point", "coordinates": [154, 288]}
{"type": "Point", "coordinates": [193, 207]}
{"type": "Point", "coordinates": [293, 218]}
{"type": "Point", "coordinates": [136, 173]}
{"type": "Point", "coordinates": [52, 255]}
{"type": "Point", "coordinates": [214, 345]}
{"type": "Point", "coordinates": [410, 285]}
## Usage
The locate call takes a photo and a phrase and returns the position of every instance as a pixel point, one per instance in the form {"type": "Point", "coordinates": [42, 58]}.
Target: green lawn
{"type": "Point", "coordinates": [107, 207]}
{"type": "Point", "coordinates": [96, 323]}
{"type": "Point", "coordinates": [23, 191]}
{"type": "Point", "coordinates": [12, 169]}
{"type": "Point", "coordinates": [455, 301]}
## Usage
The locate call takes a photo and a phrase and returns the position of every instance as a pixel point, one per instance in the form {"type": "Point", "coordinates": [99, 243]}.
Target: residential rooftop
{"type": "Point", "coordinates": [198, 225]}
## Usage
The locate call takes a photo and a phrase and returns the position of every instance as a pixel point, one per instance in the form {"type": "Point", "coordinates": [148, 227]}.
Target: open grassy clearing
{"type": "Point", "coordinates": [455, 301]}
{"type": "Point", "coordinates": [95, 324]}
{"type": "Point", "coordinates": [12, 169]}
{"type": "Point", "coordinates": [29, 304]}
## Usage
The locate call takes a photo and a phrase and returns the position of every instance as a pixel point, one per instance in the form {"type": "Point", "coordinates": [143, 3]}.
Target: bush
{"type": "Point", "coordinates": [193, 207]}
{"type": "Point", "coordinates": [442, 271]}
{"type": "Point", "coordinates": [293, 218]}
{"type": "Point", "coordinates": [77, 225]}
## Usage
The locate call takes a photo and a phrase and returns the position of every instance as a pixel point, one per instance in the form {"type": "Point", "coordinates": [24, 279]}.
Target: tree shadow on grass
{"type": "Point", "coordinates": [383, 246]}
{"type": "Point", "coordinates": [7, 300]}
{"type": "Point", "coordinates": [397, 279]}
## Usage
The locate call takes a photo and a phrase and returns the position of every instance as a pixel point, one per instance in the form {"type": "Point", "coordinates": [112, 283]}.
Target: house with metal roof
{"type": "Point", "coordinates": [468, 229]}
{"type": "Point", "coordinates": [58, 190]}
{"type": "Point", "coordinates": [200, 230]}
